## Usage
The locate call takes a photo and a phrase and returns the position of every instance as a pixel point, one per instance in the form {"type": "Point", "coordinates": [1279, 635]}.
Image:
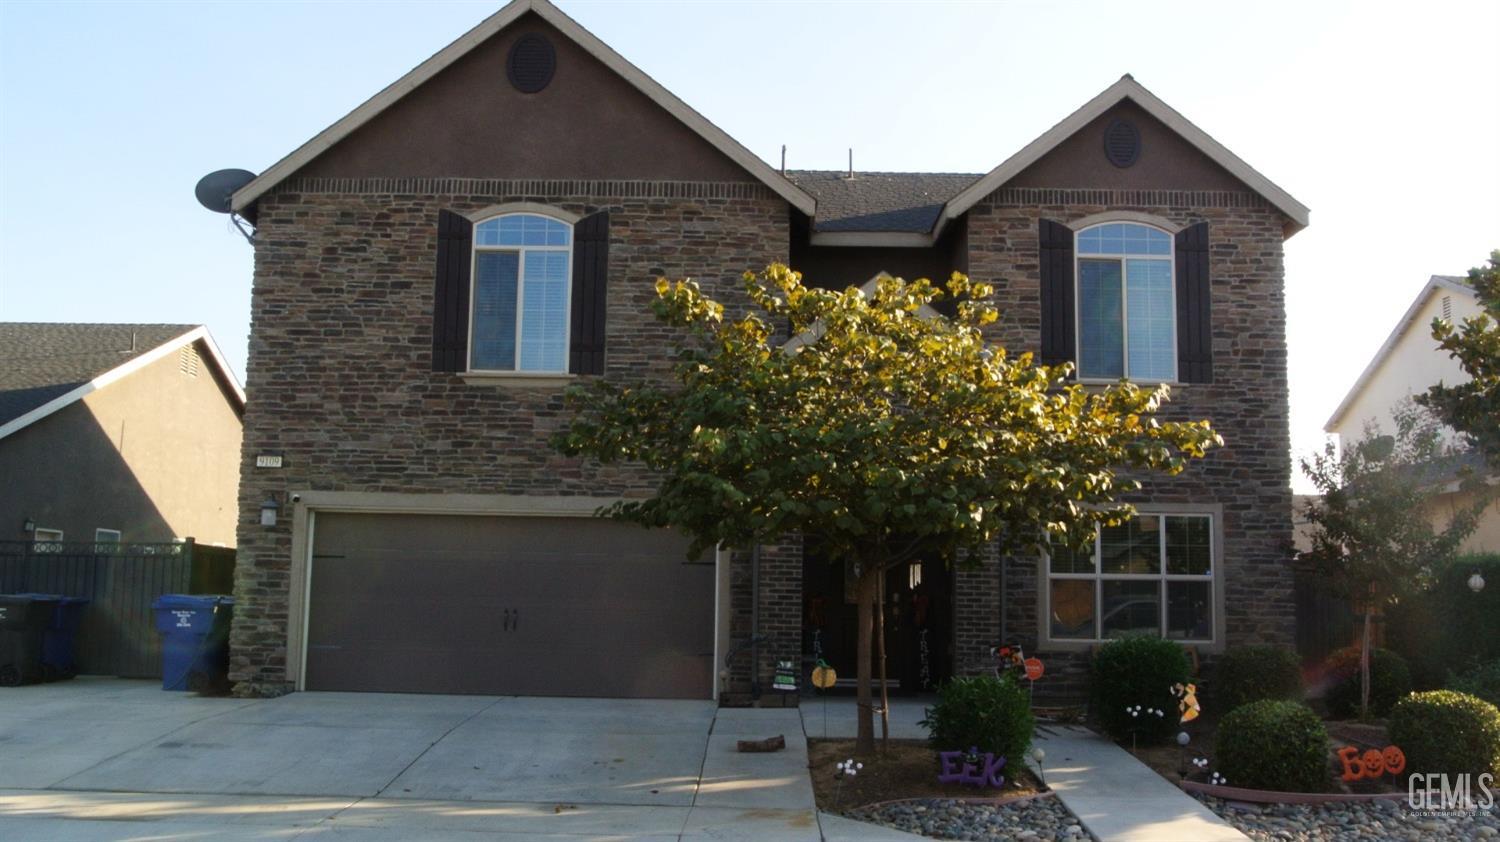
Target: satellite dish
{"type": "Point", "coordinates": [215, 190]}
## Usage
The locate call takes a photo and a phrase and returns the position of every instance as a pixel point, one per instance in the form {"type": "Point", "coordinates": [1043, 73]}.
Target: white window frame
{"type": "Point", "coordinates": [520, 252]}
{"type": "Point", "coordinates": [1078, 257]}
{"type": "Point", "coordinates": [41, 536]}
{"type": "Point", "coordinates": [101, 536]}
{"type": "Point", "coordinates": [1214, 578]}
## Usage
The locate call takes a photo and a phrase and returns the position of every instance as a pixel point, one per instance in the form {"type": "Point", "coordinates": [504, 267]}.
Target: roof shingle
{"type": "Point", "coordinates": [40, 361]}
{"type": "Point", "coordinates": [907, 202]}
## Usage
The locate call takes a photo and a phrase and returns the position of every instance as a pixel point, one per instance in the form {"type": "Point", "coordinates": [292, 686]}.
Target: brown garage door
{"type": "Point", "coordinates": [507, 606]}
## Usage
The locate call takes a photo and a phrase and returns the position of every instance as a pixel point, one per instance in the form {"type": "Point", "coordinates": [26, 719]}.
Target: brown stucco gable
{"type": "Point", "coordinates": [1166, 162]}
{"type": "Point", "coordinates": [468, 121]}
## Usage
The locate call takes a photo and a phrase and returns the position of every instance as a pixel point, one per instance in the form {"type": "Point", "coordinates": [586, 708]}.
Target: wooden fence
{"type": "Point", "coordinates": [1325, 620]}
{"type": "Point", "coordinates": [118, 635]}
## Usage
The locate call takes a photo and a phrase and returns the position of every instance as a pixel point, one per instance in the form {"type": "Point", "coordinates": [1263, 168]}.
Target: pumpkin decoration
{"type": "Point", "coordinates": [1395, 760]}
{"type": "Point", "coordinates": [823, 676]}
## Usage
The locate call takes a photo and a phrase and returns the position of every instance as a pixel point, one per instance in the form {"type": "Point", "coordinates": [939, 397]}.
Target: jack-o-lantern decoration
{"type": "Point", "coordinates": [1395, 760]}
{"type": "Point", "coordinates": [823, 676]}
{"type": "Point", "coordinates": [1372, 763]}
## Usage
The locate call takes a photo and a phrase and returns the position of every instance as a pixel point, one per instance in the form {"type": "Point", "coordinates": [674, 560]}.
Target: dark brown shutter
{"type": "Point", "coordinates": [1057, 293]}
{"type": "Point", "coordinates": [450, 293]}
{"type": "Point", "coordinates": [1195, 345]}
{"type": "Point", "coordinates": [590, 282]}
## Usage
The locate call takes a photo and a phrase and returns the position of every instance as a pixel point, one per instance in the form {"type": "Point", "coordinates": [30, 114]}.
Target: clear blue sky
{"type": "Point", "coordinates": [1381, 117]}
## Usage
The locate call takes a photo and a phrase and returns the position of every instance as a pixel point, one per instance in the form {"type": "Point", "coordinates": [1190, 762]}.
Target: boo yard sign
{"type": "Point", "coordinates": [971, 767]}
{"type": "Point", "coordinates": [1372, 763]}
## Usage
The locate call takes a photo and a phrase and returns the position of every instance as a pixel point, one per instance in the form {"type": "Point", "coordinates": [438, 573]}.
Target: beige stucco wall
{"type": "Point", "coordinates": [154, 455]}
{"type": "Point", "coordinates": [1486, 538]}
{"type": "Point", "coordinates": [1414, 364]}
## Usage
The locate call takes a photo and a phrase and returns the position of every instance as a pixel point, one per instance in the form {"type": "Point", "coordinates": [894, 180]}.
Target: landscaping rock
{"type": "Point", "coordinates": [1035, 820]}
{"type": "Point", "coordinates": [1356, 820]}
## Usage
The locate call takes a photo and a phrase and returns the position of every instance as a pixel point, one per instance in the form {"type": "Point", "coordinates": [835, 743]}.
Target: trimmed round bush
{"type": "Point", "coordinates": [1446, 732]}
{"type": "Point", "coordinates": [1482, 681]}
{"type": "Point", "coordinates": [1250, 673]}
{"type": "Point", "coordinates": [1390, 680]}
{"type": "Point", "coordinates": [988, 713]}
{"type": "Point", "coordinates": [1273, 744]}
{"type": "Point", "coordinates": [1137, 672]}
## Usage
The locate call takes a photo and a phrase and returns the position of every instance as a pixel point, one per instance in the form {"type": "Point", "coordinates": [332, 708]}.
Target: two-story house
{"type": "Point", "coordinates": [434, 269]}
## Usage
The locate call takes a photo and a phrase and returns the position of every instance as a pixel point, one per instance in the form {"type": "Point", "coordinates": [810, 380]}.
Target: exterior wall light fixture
{"type": "Point", "coordinates": [268, 511]}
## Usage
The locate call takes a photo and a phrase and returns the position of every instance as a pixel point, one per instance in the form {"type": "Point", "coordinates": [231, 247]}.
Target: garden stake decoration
{"type": "Point", "coordinates": [971, 772]}
{"type": "Point", "coordinates": [1038, 755]}
{"type": "Point", "coordinates": [824, 677]}
{"type": "Point", "coordinates": [844, 769]}
{"type": "Point", "coordinates": [1187, 701]}
{"type": "Point", "coordinates": [1136, 712]}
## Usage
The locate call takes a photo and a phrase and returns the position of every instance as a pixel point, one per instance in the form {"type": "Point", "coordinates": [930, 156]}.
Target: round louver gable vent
{"type": "Point", "coordinates": [1122, 143]}
{"type": "Point", "coordinates": [531, 64]}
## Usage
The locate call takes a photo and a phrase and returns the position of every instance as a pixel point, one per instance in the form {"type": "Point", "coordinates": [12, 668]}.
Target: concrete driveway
{"type": "Point", "coordinates": [95, 759]}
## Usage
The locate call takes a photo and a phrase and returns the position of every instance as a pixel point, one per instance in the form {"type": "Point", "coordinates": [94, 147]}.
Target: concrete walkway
{"type": "Point", "coordinates": [1115, 796]}
{"type": "Point", "coordinates": [1120, 799]}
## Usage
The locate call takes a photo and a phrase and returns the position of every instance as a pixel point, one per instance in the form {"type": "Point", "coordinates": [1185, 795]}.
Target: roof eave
{"type": "Point", "coordinates": [1126, 88]}
{"type": "Point", "coordinates": [129, 367]}
{"type": "Point", "coordinates": [1408, 319]}
{"type": "Point", "coordinates": [372, 107]}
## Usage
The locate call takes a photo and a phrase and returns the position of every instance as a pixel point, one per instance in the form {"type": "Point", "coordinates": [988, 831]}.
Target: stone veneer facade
{"type": "Point", "coordinates": [339, 377]}
{"type": "Point", "coordinates": [1247, 402]}
{"type": "Point", "coordinates": [340, 383]}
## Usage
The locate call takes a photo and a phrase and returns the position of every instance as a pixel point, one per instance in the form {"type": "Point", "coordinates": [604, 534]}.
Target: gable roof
{"type": "Point", "coordinates": [491, 25]}
{"type": "Point", "coordinates": [909, 202]}
{"type": "Point", "coordinates": [1436, 283]}
{"type": "Point", "coordinates": [46, 366]}
{"type": "Point", "coordinates": [1126, 88]}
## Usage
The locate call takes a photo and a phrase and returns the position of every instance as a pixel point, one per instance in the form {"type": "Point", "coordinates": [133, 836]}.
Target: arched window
{"type": "Point", "coordinates": [521, 294]}
{"type": "Point", "coordinates": [1127, 311]}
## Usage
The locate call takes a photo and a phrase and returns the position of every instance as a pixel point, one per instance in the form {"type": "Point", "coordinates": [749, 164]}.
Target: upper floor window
{"type": "Point", "coordinates": [521, 294]}
{"type": "Point", "coordinates": [1127, 324]}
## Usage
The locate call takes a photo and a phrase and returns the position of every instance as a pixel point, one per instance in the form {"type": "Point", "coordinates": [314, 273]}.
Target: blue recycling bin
{"type": "Point", "coordinates": [195, 641]}
{"type": "Point", "coordinates": [24, 620]}
{"type": "Point", "coordinates": [58, 661]}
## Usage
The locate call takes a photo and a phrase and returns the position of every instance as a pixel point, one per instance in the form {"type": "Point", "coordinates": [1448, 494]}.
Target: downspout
{"type": "Point", "coordinates": [755, 623]}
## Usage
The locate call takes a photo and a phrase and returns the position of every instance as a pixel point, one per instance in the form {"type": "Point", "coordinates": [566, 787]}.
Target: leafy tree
{"type": "Point", "coordinates": [1372, 532]}
{"type": "Point", "coordinates": [1473, 408]}
{"type": "Point", "coordinates": [881, 429]}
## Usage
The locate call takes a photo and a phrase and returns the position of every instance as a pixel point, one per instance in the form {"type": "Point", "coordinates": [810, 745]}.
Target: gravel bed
{"type": "Point", "coordinates": [1329, 821]}
{"type": "Point", "coordinates": [1034, 820]}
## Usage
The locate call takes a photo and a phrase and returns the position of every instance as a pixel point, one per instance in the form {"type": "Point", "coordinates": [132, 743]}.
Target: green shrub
{"type": "Point", "coordinates": [1449, 628]}
{"type": "Point", "coordinates": [1273, 744]}
{"type": "Point", "coordinates": [988, 713]}
{"type": "Point", "coordinates": [1447, 732]}
{"type": "Point", "coordinates": [1137, 671]}
{"type": "Point", "coordinates": [1250, 673]}
{"type": "Point", "coordinates": [1482, 681]}
{"type": "Point", "coordinates": [1389, 681]}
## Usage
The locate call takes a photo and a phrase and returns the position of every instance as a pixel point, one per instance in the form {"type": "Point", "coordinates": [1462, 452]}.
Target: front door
{"type": "Point", "coordinates": [918, 621]}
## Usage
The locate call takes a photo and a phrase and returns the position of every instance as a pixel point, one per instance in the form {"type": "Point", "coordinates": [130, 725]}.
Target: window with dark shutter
{"type": "Point", "coordinates": [1057, 292]}
{"type": "Point", "coordinates": [1195, 349]}
{"type": "Point", "coordinates": [450, 294]}
{"type": "Point", "coordinates": [590, 297]}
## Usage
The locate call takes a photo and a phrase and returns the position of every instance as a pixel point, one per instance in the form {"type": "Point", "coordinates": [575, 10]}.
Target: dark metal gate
{"type": "Point", "coordinates": [120, 581]}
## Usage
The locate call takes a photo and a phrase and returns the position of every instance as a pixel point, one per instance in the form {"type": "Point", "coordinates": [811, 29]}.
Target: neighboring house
{"type": "Point", "coordinates": [1405, 366]}
{"type": "Point", "coordinates": [117, 432]}
{"type": "Point", "coordinates": [437, 266]}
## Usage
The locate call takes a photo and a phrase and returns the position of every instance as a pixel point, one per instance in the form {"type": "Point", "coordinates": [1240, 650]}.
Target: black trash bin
{"type": "Point", "coordinates": [24, 621]}
{"type": "Point", "coordinates": [195, 641]}
{"type": "Point", "coordinates": [58, 662]}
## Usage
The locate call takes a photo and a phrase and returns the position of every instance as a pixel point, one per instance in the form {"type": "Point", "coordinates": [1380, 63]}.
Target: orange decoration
{"type": "Point", "coordinates": [1033, 668]}
{"type": "Point", "coordinates": [1372, 764]}
{"type": "Point", "coordinates": [1395, 760]}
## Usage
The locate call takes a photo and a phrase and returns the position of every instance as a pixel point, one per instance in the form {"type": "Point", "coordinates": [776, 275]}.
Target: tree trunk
{"type": "Point", "coordinates": [885, 697]}
{"type": "Point", "coordinates": [864, 742]}
{"type": "Point", "coordinates": [1364, 663]}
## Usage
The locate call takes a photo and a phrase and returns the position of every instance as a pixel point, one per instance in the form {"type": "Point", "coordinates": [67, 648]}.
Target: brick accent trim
{"type": "Point", "coordinates": [528, 187]}
{"type": "Point", "coordinates": [1123, 198]}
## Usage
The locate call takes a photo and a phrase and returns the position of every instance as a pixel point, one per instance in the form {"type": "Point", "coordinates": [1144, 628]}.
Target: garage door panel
{"type": "Point", "coordinates": [419, 603]}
